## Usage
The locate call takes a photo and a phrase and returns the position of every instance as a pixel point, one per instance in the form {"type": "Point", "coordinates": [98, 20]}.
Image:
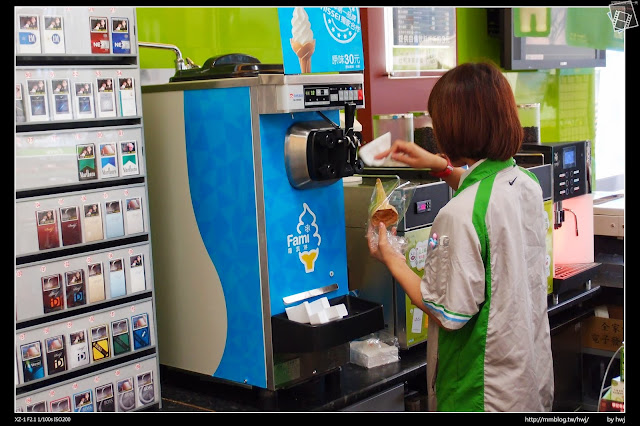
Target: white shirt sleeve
{"type": "Point", "coordinates": [453, 284]}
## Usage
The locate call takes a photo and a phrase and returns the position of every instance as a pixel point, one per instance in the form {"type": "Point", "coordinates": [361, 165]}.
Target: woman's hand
{"type": "Point", "coordinates": [414, 156]}
{"type": "Point", "coordinates": [382, 249]}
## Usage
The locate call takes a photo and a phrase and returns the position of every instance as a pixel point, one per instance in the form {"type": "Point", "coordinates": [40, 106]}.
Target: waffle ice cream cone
{"type": "Point", "coordinates": [304, 53]}
{"type": "Point", "coordinates": [384, 212]}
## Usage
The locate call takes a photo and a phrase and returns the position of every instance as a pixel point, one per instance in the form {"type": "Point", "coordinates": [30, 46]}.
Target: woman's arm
{"type": "Point", "coordinates": [397, 265]}
{"type": "Point", "coordinates": [417, 157]}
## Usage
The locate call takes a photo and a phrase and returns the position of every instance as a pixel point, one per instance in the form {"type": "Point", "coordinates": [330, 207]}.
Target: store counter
{"type": "Point", "coordinates": [352, 388]}
{"type": "Point", "coordinates": [608, 229]}
{"type": "Point", "coordinates": [608, 213]}
{"type": "Point", "coordinates": [383, 388]}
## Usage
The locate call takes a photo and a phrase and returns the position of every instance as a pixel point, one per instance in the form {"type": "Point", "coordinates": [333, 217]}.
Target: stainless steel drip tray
{"type": "Point", "coordinates": [363, 317]}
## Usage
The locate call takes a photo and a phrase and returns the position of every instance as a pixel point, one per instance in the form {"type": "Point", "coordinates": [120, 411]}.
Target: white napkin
{"type": "Point", "coordinates": [368, 151]}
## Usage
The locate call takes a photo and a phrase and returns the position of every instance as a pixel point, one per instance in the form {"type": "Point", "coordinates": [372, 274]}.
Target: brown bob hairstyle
{"type": "Point", "coordinates": [474, 113]}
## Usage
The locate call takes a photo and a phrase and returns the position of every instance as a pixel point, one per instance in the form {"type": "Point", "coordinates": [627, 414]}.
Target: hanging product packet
{"type": "Point", "coordinates": [389, 202]}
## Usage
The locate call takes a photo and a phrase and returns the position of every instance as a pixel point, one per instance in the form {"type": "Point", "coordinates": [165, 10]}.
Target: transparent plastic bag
{"type": "Point", "coordinates": [389, 202]}
{"type": "Point", "coordinates": [374, 350]}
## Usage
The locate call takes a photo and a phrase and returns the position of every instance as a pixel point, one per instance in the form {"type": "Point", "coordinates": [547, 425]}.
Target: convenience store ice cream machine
{"type": "Point", "coordinates": [247, 219]}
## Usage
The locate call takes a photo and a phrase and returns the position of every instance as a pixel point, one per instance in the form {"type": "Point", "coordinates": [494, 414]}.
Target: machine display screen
{"type": "Point", "coordinates": [569, 157]}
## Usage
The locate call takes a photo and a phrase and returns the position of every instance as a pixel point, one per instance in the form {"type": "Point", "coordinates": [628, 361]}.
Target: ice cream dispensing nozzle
{"type": "Point", "coordinates": [319, 153]}
{"type": "Point", "coordinates": [352, 141]}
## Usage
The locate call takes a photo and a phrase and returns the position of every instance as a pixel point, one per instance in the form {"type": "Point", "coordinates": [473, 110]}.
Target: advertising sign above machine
{"type": "Point", "coordinates": [320, 39]}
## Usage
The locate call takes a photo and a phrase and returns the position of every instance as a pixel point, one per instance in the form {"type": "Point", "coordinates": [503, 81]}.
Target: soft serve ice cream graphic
{"type": "Point", "coordinates": [307, 243]}
{"type": "Point", "coordinates": [302, 41]}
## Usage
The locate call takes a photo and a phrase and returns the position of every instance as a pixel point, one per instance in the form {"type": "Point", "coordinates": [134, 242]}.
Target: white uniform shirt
{"type": "Point", "coordinates": [496, 353]}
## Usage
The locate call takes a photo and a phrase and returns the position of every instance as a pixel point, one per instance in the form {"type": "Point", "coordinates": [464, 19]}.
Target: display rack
{"type": "Point", "coordinates": [84, 296]}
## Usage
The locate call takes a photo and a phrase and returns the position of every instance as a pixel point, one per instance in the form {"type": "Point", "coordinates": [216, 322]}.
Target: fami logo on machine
{"type": "Point", "coordinates": [304, 244]}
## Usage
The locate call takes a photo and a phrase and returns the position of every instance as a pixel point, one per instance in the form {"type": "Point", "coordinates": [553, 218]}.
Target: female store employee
{"type": "Point", "coordinates": [484, 285]}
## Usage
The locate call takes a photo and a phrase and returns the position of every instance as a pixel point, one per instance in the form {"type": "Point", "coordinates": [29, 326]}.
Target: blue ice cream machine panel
{"type": "Point", "coordinates": [221, 181]}
{"type": "Point", "coordinates": [305, 228]}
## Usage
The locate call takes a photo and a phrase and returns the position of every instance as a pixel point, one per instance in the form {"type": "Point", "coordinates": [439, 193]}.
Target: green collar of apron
{"type": "Point", "coordinates": [483, 170]}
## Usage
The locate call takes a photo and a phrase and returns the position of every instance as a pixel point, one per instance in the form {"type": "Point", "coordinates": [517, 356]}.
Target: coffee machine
{"type": "Point", "coordinates": [572, 215]}
{"type": "Point", "coordinates": [245, 168]}
{"type": "Point", "coordinates": [425, 196]}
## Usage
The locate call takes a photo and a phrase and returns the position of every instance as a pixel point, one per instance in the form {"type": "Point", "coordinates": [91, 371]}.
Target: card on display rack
{"type": "Point", "coordinates": [129, 158]}
{"type": "Point", "coordinates": [96, 283]}
{"type": "Point", "coordinates": [47, 229]}
{"type": "Point", "coordinates": [32, 365]}
{"type": "Point", "coordinates": [120, 34]}
{"type": "Point", "coordinates": [127, 96]}
{"type": "Point", "coordinates": [106, 97]}
{"type": "Point", "coordinates": [76, 289]}
{"type": "Point", "coordinates": [134, 223]}
{"type": "Point", "coordinates": [108, 160]}
{"type": "Point", "coordinates": [120, 334]}
{"type": "Point", "coordinates": [29, 34]}
{"type": "Point", "coordinates": [99, 34]}
{"type": "Point", "coordinates": [100, 343]}
{"type": "Point", "coordinates": [117, 284]}
{"type": "Point", "coordinates": [62, 405]}
{"type": "Point", "coordinates": [52, 293]}
{"type": "Point", "coordinates": [146, 392]}
{"type": "Point", "coordinates": [37, 100]}
{"type": "Point", "coordinates": [53, 34]}
{"type": "Point", "coordinates": [70, 226]}
{"type": "Point", "coordinates": [136, 273]}
{"type": "Point", "coordinates": [92, 223]}
{"type": "Point", "coordinates": [56, 359]}
{"type": "Point", "coordinates": [83, 401]}
{"type": "Point", "coordinates": [38, 407]}
{"type": "Point", "coordinates": [126, 395]}
{"type": "Point", "coordinates": [86, 162]}
{"type": "Point", "coordinates": [105, 401]}
{"type": "Point", "coordinates": [83, 94]}
{"type": "Point", "coordinates": [78, 349]}
{"type": "Point", "coordinates": [61, 105]}
{"type": "Point", "coordinates": [114, 219]}
{"type": "Point", "coordinates": [21, 117]}
{"type": "Point", "coordinates": [141, 335]}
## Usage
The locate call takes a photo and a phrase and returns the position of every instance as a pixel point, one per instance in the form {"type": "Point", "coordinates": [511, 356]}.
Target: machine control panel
{"type": "Point", "coordinates": [333, 95]}
{"type": "Point", "coordinates": [423, 206]}
{"type": "Point", "coordinates": [569, 171]}
{"type": "Point", "coordinates": [570, 163]}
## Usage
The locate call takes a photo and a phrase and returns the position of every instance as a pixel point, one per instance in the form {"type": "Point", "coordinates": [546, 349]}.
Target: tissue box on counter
{"type": "Point", "coordinates": [373, 351]}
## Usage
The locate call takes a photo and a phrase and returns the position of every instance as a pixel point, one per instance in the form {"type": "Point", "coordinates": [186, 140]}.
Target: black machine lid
{"type": "Point", "coordinates": [228, 66]}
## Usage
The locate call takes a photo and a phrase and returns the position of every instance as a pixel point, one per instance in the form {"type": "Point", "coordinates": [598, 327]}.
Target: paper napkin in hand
{"type": "Point", "coordinates": [368, 151]}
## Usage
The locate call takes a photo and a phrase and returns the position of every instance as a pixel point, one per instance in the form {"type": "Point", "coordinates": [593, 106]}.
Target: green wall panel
{"type": "Point", "coordinates": [474, 44]}
{"type": "Point", "coordinates": [566, 96]}
{"type": "Point", "coordinates": [203, 32]}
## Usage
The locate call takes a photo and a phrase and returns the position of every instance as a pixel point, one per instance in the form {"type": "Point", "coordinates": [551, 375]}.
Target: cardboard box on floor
{"type": "Point", "coordinates": [604, 333]}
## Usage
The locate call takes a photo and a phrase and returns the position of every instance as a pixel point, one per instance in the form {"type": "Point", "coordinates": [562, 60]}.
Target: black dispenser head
{"type": "Point", "coordinates": [319, 153]}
